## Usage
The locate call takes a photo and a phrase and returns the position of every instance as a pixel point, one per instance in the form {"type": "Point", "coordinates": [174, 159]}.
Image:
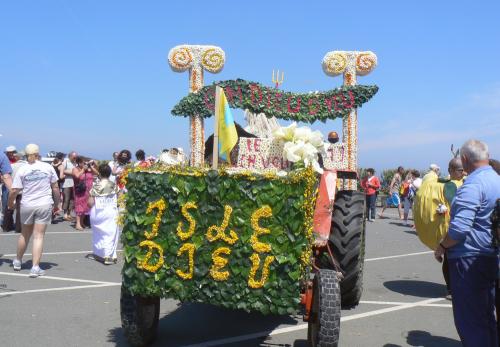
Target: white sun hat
{"type": "Point", "coordinates": [10, 149]}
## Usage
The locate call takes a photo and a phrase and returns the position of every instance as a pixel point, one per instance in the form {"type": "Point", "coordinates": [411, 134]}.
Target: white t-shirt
{"type": "Point", "coordinates": [68, 181]}
{"type": "Point", "coordinates": [35, 180]}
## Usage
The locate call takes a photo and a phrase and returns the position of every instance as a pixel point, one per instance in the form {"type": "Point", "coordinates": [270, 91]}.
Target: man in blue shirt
{"type": "Point", "coordinates": [473, 261]}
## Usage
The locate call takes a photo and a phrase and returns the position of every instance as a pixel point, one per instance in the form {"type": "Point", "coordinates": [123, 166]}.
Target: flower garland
{"type": "Point", "coordinates": [263, 212]}
{"type": "Point", "coordinates": [161, 206]}
{"type": "Point", "coordinates": [190, 248]}
{"type": "Point", "coordinates": [257, 98]}
{"type": "Point", "coordinates": [219, 263]}
{"type": "Point", "coordinates": [192, 223]}
{"type": "Point", "coordinates": [220, 230]}
{"type": "Point", "coordinates": [144, 264]}
{"type": "Point", "coordinates": [255, 258]}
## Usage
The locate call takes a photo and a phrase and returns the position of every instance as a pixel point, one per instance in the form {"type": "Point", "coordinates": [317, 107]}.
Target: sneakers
{"type": "Point", "coordinates": [16, 264]}
{"type": "Point", "coordinates": [36, 272]}
{"type": "Point", "coordinates": [108, 261]}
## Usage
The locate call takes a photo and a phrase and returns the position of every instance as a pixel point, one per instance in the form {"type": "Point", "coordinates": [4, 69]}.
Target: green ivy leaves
{"type": "Point", "coordinates": [211, 191]}
{"type": "Point", "coordinates": [305, 107]}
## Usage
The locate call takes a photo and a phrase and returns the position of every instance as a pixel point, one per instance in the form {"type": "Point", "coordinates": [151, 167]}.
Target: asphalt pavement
{"type": "Point", "coordinates": [77, 302]}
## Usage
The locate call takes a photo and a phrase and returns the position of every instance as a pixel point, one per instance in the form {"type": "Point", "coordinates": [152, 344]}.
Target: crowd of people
{"type": "Point", "coordinates": [458, 217]}
{"type": "Point", "coordinates": [73, 188]}
{"type": "Point", "coordinates": [452, 215]}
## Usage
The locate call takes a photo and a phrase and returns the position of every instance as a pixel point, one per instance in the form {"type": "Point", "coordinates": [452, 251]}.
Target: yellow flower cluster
{"type": "Point", "coordinates": [219, 263]}
{"type": "Point", "coordinates": [310, 195]}
{"type": "Point", "coordinates": [184, 235]}
{"type": "Point", "coordinates": [187, 247]}
{"type": "Point", "coordinates": [122, 212]}
{"type": "Point", "coordinates": [160, 205]}
{"type": "Point", "coordinates": [252, 282]}
{"type": "Point", "coordinates": [220, 231]}
{"type": "Point", "coordinates": [263, 212]}
{"type": "Point", "coordinates": [144, 264]}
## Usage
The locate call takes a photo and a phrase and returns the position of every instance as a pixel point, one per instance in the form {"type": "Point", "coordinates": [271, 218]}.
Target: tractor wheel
{"type": "Point", "coordinates": [139, 317]}
{"type": "Point", "coordinates": [324, 321]}
{"type": "Point", "coordinates": [347, 236]}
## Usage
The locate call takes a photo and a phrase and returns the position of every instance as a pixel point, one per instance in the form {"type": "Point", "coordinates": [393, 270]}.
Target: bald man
{"type": "Point", "coordinates": [456, 171]}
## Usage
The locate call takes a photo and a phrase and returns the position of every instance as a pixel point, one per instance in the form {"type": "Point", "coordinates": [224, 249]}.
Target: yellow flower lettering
{"type": "Point", "coordinates": [255, 258]}
{"type": "Point", "coordinates": [184, 235]}
{"type": "Point", "coordinates": [263, 212]}
{"type": "Point", "coordinates": [187, 247]}
{"type": "Point", "coordinates": [219, 263]}
{"type": "Point", "coordinates": [220, 231]}
{"type": "Point", "coordinates": [160, 205]}
{"type": "Point", "coordinates": [144, 264]}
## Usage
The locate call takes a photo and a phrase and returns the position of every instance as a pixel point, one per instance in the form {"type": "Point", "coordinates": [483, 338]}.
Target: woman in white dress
{"type": "Point", "coordinates": [103, 217]}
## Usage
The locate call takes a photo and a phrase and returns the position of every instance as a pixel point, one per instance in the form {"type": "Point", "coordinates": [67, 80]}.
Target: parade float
{"type": "Point", "coordinates": [248, 235]}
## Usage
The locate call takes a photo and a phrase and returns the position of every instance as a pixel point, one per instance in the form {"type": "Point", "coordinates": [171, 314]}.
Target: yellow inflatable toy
{"type": "Point", "coordinates": [430, 224]}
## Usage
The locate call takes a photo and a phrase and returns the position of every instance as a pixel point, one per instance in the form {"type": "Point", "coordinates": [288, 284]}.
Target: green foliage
{"type": "Point", "coordinates": [211, 191]}
{"type": "Point", "coordinates": [306, 107]}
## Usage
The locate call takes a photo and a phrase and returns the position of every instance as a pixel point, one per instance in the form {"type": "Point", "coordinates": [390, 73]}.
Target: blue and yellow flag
{"type": "Point", "coordinates": [228, 137]}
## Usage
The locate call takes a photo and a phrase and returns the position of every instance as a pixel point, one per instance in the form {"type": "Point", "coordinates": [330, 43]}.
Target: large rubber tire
{"type": "Point", "coordinates": [139, 317]}
{"type": "Point", "coordinates": [347, 236]}
{"type": "Point", "coordinates": [324, 322]}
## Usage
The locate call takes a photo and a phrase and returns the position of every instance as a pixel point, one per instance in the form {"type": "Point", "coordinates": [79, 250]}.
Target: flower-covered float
{"type": "Point", "coordinates": [254, 235]}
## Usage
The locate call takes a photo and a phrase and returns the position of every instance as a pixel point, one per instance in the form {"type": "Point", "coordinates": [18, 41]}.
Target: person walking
{"type": "Point", "coordinates": [370, 185]}
{"type": "Point", "coordinates": [103, 217]}
{"type": "Point", "coordinates": [472, 258]}
{"type": "Point", "coordinates": [38, 182]}
{"type": "Point", "coordinates": [68, 185]}
{"type": "Point", "coordinates": [394, 188]}
{"type": "Point", "coordinates": [83, 176]}
{"type": "Point", "coordinates": [10, 153]}
{"type": "Point", "coordinates": [6, 176]}
{"type": "Point", "coordinates": [20, 162]}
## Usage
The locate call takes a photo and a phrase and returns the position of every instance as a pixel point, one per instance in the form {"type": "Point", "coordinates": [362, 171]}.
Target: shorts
{"type": "Point", "coordinates": [36, 215]}
{"type": "Point", "coordinates": [407, 203]}
{"type": "Point", "coordinates": [393, 200]}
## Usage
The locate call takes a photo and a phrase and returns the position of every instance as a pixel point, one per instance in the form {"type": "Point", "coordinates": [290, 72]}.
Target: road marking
{"type": "Point", "coordinates": [399, 256]}
{"type": "Point", "coordinates": [390, 309]}
{"type": "Point", "coordinates": [68, 279]}
{"type": "Point", "coordinates": [55, 253]}
{"type": "Point", "coordinates": [266, 333]}
{"type": "Point", "coordinates": [391, 303]}
{"type": "Point", "coordinates": [52, 232]}
{"type": "Point", "coordinates": [58, 289]}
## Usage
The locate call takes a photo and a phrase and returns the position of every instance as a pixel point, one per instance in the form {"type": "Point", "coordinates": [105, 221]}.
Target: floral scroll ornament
{"type": "Point", "coordinates": [195, 59]}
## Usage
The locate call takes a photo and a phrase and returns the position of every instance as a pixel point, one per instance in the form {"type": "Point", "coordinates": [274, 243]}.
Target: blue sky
{"type": "Point", "coordinates": [93, 75]}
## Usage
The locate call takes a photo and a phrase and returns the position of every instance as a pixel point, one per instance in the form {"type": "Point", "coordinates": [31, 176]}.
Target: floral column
{"type": "Point", "coordinates": [196, 58]}
{"type": "Point", "coordinates": [351, 64]}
